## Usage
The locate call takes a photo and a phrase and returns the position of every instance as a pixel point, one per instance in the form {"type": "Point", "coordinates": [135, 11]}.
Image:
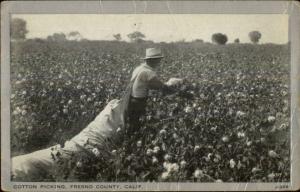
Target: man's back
{"type": "Point", "coordinates": [143, 75]}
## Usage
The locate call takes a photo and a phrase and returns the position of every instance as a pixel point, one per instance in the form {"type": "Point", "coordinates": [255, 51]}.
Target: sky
{"type": "Point", "coordinates": [160, 27]}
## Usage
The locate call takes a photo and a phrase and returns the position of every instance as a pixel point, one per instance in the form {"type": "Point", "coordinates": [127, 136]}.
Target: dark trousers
{"type": "Point", "coordinates": [136, 109]}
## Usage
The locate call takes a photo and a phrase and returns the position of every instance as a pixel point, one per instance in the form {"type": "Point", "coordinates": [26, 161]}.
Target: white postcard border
{"type": "Point", "coordinates": [151, 7]}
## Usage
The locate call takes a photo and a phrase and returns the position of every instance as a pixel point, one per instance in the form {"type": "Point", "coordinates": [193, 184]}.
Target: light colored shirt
{"type": "Point", "coordinates": [144, 74]}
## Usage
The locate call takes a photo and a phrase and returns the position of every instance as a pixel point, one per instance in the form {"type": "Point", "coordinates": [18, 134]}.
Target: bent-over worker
{"type": "Point", "coordinates": [145, 78]}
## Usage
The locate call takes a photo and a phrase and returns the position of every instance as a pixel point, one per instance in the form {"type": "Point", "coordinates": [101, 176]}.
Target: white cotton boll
{"type": "Point", "coordinates": [284, 93]}
{"type": "Point", "coordinates": [96, 152]}
{"type": "Point", "coordinates": [241, 134]}
{"type": "Point", "coordinates": [271, 176]}
{"type": "Point", "coordinates": [262, 139]}
{"type": "Point", "coordinates": [82, 97]}
{"type": "Point", "coordinates": [148, 117]}
{"type": "Point", "coordinates": [239, 165]}
{"type": "Point", "coordinates": [167, 166]}
{"type": "Point", "coordinates": [197, 121]}
{"type": "Point", "coordinates": [19, 109]}
{"type": "Point", "coordinates": [162, 132]}
{"type": "Point", "coordinates": [156, 149]}
{"type": "Point", "coordinates": [149, 152]}
{"type": "Point", "coordinates": [15, 112]}
{"type": "Point", "coordinates": [175, 136]}
{"type": "Point", "coordinates": [232, 163]}
{"type": "Point", "coordinates": [283, 127]}
{"type": "Point", "coordinates": [219, 181]}
{"type": "Point", "coordinates": [24, 112]}
{"type": "Point", "coordinates": [225, 139]}
{"type": "Point", "coordinates": [188, 109]}
{"type": "Point", "coordinates": [209, 155]}
{"type": "Point", "coordinates": [167, 157]}
{"type": "Point", "coordinates": [154, 160]}
{"type": "Point", "coordinates": [79, 164]}
{"type": "Point", "coordinates": [214, 129]}
{"type": "Point", "coordinates": [198, 173]}
{"type": "Point", "coordinates": [272, 154]}
{"type": "Point", "coordinates": [174, 167]}
{"type": "Point", "coordinates": [139, 143]}
{"type": "Point", "coordinates": [218, 156]}
{"type": "Point", "coordinates": [230, 112]}
{"type": "Point", "coordinates": [171, 167]}
{"type": "Point", "coordinates": [255, 169]}
{"type": "Point", "coordinates": [249, 143]}
{"type": "Point", "coordinates": [196, 148]}
{"type": "Point", "coordinates": [165, 175]}
{"type": "Point", "coordinates": [68, 82]}
{"type": "Point", "coordinates": [18, 82]}
{"type": "Point", "coordinates": [216, 111]}
{"type": "Point", "coordinates": [240, 113]}
{"type": "Point", "coordinates": [228, 95]}
{"type": "Point", "coordinates": [195, 105]}
{"type": "Point", "coordinates": [183, 164]}
{"type": "Point", "coordinates": [271, 119]}
{"type": "Point", "coordinates": [119, 129]}
{"type": "Point", "coordinates": [65, 111]}
{"type": "Point", "coordinates": [96, 104]}
{"type": "Point", "coordinates": [114, 152]}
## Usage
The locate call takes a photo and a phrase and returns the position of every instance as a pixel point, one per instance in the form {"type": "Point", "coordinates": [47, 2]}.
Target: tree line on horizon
{"type": "Point", "coordinates": [18, 31]}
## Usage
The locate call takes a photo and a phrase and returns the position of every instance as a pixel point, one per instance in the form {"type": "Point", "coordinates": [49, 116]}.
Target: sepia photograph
{"type": "Point", "coordinates": [148, 98]}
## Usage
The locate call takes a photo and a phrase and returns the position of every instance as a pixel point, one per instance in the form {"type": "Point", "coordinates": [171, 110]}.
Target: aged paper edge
{"type": "Point", "coordinates": [292, 8]}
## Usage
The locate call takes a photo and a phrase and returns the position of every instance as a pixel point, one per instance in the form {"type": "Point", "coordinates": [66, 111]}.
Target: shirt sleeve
{"type": "Point", "coordinates": [148, 75]}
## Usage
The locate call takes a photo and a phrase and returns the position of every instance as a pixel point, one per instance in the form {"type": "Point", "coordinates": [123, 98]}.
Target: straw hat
{"type": "Point", "coordinates": [152, 53]}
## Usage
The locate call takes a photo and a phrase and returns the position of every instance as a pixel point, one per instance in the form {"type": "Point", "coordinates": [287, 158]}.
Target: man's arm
{"type": "Point", "coordinates": [155, 83]}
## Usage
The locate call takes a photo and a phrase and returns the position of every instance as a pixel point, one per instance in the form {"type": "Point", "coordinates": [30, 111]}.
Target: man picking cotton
{"type": "Point", "coordinates": [144, 78]}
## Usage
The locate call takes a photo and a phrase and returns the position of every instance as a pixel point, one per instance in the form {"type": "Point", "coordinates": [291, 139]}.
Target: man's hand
{"type": "Point", "coordinates": [168, 87]}
{"type": "Point", "coordinates": [155, 83]}
{"type": "Point", "coordinates": [174, 82]}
